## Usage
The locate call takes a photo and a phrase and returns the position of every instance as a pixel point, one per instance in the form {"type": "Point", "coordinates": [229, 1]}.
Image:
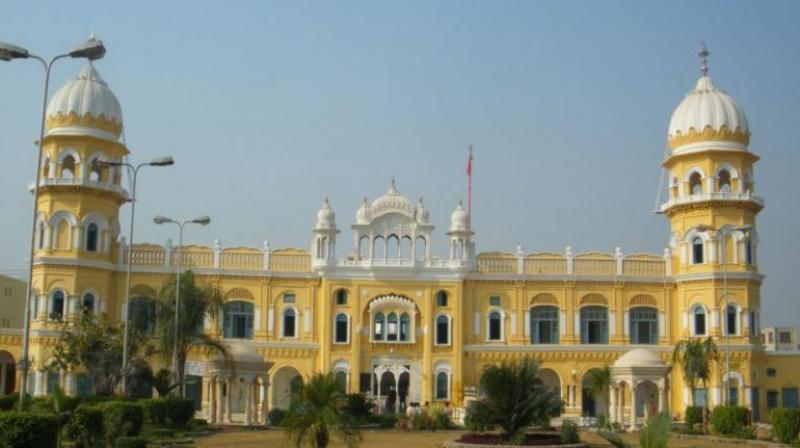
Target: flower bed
{"type": "Point", "coordinates": [541, 440]}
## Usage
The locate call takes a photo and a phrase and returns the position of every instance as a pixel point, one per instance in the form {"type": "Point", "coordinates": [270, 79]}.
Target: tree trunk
{"type": "Point", "coordinates": [322, 438]}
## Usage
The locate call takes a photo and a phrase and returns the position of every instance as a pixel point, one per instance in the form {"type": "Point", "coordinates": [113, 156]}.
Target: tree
{"type": "Point", "coordinates": [696, 356]}
{"type": "Point", "coordinates": [96, 344]}
{"type": "Point", "coordinates": [513, 397]}
{"type": "Point", "coordinates": [196, 303]}
{"type": "Point", "coordinates": [599, 383]}
{"type": "Point", "coordinates": [319, 410]}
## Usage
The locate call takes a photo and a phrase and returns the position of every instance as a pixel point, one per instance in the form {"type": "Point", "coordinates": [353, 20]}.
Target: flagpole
{"type": "Point", "coordinates": [469, 184]}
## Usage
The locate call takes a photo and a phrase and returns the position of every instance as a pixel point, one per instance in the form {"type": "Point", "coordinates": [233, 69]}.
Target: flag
{"type": "Point", "coordinates": [469, 162]}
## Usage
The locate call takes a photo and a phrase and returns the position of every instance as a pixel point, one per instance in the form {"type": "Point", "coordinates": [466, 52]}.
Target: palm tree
{"type": "Point", "coordinates": [599, 383]}
{"type": "Point", "coordinates": [317, 411]}
{"type": "Point", "coordinates": [514, 397]}
{"type": "Point", "coordinates": [696, 356]}
{"type": "Point", "coordinates": [196, 303]}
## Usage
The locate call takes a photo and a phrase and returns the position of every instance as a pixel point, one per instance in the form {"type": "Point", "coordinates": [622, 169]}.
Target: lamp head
{"type": "Point", "coordinates": [203, 220]}
{"type": "Point", "coordinates": [161, 219]}
{"type": "Point", "coordinates": [162, 161]}
{"type": "Point", "coordinates": [11, 51]}
{"type": "Point", "coordinates": [5, 56]}
{"type": "Point", "coordinates": [93, 49]}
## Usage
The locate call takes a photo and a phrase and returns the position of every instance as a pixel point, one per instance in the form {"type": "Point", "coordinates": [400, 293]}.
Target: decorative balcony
{"type": "Point", "coordinates": [757, 201]}
{"type": "Point", "coordinates": [78, 182]}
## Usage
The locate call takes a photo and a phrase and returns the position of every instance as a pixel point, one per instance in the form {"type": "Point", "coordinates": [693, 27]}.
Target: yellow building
{"type": "Point", "coordinates": [404, 325]}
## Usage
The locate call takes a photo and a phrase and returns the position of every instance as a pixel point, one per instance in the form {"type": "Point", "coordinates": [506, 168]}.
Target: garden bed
{"type": "Point", "coordinates": [541, 440]}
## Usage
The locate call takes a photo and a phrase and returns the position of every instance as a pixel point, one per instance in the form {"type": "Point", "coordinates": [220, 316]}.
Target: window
{"type": "Point", "coordinates": [88, 303]}
{"type": "Point", "coordinates": [789, 397]}
{"type": "Point", "coordinates": [696, 183]}
{"type": "Point", "coordinates": [700, 397]}
{"type": "Point", "coordinates": [644, 325]}
{"type": "Point", "coordinates": [772, 399]}
{"type": "Point", "coordinates": [494, 301]}
{"type": "Point", "coordinates": [784, 337]}
{"type": "Point", "coordinates": [57, 307]}
{"type": "Point", "coordinates": [724, 178]}
{"type": "Point", "coordinates": [341, 332]}
{"type": "Point", "coordinates": [53, 381]}
{"type": "Point", "coordinates": [495, 326]}
{"type": "Point", "coordinates": [68, 167]}
{"type": "Point", "coordinates": [288, 298]}
{"type": "Point", "coordinates": [91, 237]}
{"type": "Point", "coordinates": [40, 236]}
{"type": "Point", "coordinates": [594, 325]}
{"type": "Point", "coordinates": [442, 330]}
{"type": "Point", "coordinates": [733, 396]}
{"type": "Point", "coordinates": [544, 325]}
{"type": "Point", "coordinates": [405, 327]}
{"type": "Point", "coordinates": [442, 391]}
{"type": "Point", "coordinates": [699, 321]}
{"type": "Point", "coordinates": [771, 373]}
{"type": "Point", "coordinates": [380, 328]}
{"type": "Point", "coordinates": [441, 299]}
{"type": "Point", "coordinates": [730, 320]}
{"type": "Point", "coordinates": [341, 378]}
{"type": "Point", "coordinates": [697, 251]}
{"type": "Point", "coordinates": [751, 317]}
{"type": "Point", "coordinates": [341, 297]}
{"type": "Point", "coordinates": [143, 314]}
{"type": "Point", "coordinates": [238, 320]}
{"type": "Point", "coordinates": [391, 327]}
{"type": "Point", "coordinates": [96, 173]}
{"type": "Point", "coordinates": [748, 251]}
{"type": "Point", "coordinates": [289, 323]}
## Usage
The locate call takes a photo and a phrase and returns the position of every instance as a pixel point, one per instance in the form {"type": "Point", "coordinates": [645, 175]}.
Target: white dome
{"type": "Point", "coordinates": [87, 94]}
{"type": "Point", "coordinates": [639, 357]}
{"type": "Point", "coordinates": [707, 106]}
{"type": "Point", "coordinates": [363, 213]}
{"type": "Point", "coordinates": [459, 220]}
{"type": "Point", "coordinates": [423, 215]}
{"type": "Point", "coordinates": [392, 201]}
{"type": "Point", "coordinates": [326, 218]}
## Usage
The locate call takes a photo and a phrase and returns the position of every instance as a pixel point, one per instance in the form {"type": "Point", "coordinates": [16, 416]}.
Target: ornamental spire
{"type": "Point", "coordinates": [703, 58]}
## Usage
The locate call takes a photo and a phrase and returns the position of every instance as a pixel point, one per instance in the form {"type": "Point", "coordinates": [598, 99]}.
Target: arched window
{"type": "Point", "coordinates": [731, 315]}
{"type": "Point", "coordinates": [696, 183]}
{"type": "Point", "coordinates": [289, 323]}
{"type": "Point", "coordinates": [68, 167]}
{"type": "Point", "coordinates": [96, 173]}
{"type": "Point", "coordinates": [495, 326]}
{"type": "Point", "coordinates": [441, 298]}
{"type": "Point", "coordinates": [644, 325]}
{"type": "Point", "coordinates": [594, 325]}
{"type": "Point", "coordinates": [143, 314]}
{"type": "Point", "coordinates": [88, 303]}
{"type": "Point", "coordinates": [237, 320]}
{"type": "Point", "coordinates": [405, 327]}
{"type": "Point", "coordinates": [748, 251]}
{"type": "Point", "coordinates": [724, 179]}
{"type": "Point", "coordinates": [697, 250]}
{"type": "Point", "coordinates": [40, 235]}
{"type": "Point", "coordinates": [341, 378]}
{"type": "Point", "coordinates": [391, 327]}
{"type": "Point", "coordinates": [341, 330]}
{"type": "Point", "coordinates": [92, 235]}
{"type": "Point", "coordinates": [341, 297]}
{"type": "Point", "coordinates": [544, 325]}
{"type": "Point", "coordinates": [442, 389]}
{"type": "Point", "coordinates": [405, 248]}
{"type": "Point", "coordinates": [379, 247]}
{"type": "Point", "coordinates": [63, 234]}
{"type": "Point", "coordinates": [57, 307]}
{"type": "Point", "coordinates": [699, 321]}
{"type": "Point", "coordinates": [442, 330]}
{"type": "Point", "coordinates": [393, 247]}
{"type": "Point", "coordinates": [380, 328]}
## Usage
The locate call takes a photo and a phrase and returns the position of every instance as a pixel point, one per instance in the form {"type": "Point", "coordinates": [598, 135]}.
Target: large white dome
{"type": "Point", "coordinates": [87, 94]}
{"type": "Point", "coordinates": [706, 107]}
{"type": "Point", "coordinates": [392, 201]}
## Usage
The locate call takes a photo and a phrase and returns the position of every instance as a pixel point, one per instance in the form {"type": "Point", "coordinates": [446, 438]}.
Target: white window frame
{"type": "Point", "coordinates": [449, 330]}
{"type": "Point", "coordinates": [502, 324]}
{"type": "Point", "coordinates": [693, 320]}
{"type": "Point", "coordinates": [347, 334]}
{"type": "Point", "coordinates": [296, 321]}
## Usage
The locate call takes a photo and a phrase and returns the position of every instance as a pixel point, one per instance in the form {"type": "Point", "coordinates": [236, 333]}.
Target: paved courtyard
{"type": "Point", "coordinates": [239, 438]}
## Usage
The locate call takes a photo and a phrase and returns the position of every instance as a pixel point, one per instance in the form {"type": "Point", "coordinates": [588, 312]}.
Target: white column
{"type": "Point", "coordinates": [634, 397]}
{"type": "Point", "coordinates": [248, 404]}
{"type": "Point", "coordinates": [613, 404]}
{"type": "Point", "coordinates": [264, 407]}
{"type": "Point", "coordinates": [212, 400]}
{"type": "Point", "coordinates": [662, 398]}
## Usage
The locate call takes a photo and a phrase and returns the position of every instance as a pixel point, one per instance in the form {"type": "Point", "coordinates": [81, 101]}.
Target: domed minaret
{"type": "Point", "coordinates": [712, 211]}
{"type": "Point", "coordinates": [325, 231]}
{"type": "Point", "coordinates": [461, 246]}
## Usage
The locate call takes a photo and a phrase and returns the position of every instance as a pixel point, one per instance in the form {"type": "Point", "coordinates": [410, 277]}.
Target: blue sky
{"type": "Point", "coordinates": [270, 107]}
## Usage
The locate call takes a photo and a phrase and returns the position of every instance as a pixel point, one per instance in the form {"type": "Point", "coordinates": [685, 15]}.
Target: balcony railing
{"type": "Point", "coordinates": [704, 197]}
{"type": "Point", "coordinates": [78, 182]}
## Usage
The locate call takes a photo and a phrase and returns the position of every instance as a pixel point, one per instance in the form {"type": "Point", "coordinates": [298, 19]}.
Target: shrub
{"type": "Point", "coordinates": [385, 421]}
{"type": "Point", "coordinates": [121, 418]}
{"type": "Point", "coordinates": [479, 416]}
{"type": "Point", "coordinates": [785, 424]}
{"type": "Point", "coordinates": [180, 410]}
{"type": "Point", "coordinates": [276, 416]}
{"type": "Point", "coordinates": [359, 406]}
{"type": "Point", "coordinates": [155, 411]}
{"type": "Point", "coordinates": [85, 427]}
{"type": "Point", "coordinates": [569, 433]}
{"type": "Point", "coordinates": [422, 421]}
{"type": "Point", "coordinates": [130, 442]}
{"type": "Point", "coordinates": [727, 420]}
{"type": "Point", "coordinates": [403, 422]}
{"type": "Point", "coordinates": [8, 402]}
{"type": "Point", "coordinates": [28, 430]}
{"type": "Point", "coordinates": [694, 415]}
{"type": "Point", "coordinates": [158, 433]}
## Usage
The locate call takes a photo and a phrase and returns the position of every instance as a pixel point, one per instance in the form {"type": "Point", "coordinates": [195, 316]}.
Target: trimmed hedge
{"type": "Point", "coordinates": [170, 411]}
{"type": "Point", "coordinates": [8, 402]}
{"type": "Point", "coordinates": [28, 430]}
{"type": "Point", "coordinates": [85, 427]}
{"type": "Point", "coordinates": [785, 424]}
{"type": "Point", "coordinates": [276, 416]}
{"type": "Point", "coordinates": [121, 419]}
{"type": "Point", "coordinates": [130, 442]}
{"type": "Point", "coordinates": [156, 411]}
{"type": "Point", "coordinates": [694, 415]}
{"type": "Point", "coordinates": [729, 420]}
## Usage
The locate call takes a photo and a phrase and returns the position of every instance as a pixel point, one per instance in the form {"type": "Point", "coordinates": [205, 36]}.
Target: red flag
{"type": "Point", "coordinates": [469, 162]}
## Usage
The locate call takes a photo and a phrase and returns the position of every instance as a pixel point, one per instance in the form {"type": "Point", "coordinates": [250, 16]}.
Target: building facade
{"type": "Point", "coordinates": [396, 321]}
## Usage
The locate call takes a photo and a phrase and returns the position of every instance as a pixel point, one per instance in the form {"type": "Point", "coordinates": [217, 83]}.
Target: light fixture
{"type": "Point", "coordinates": [93, 49]}
{"type": "Point", "coordinates": [12, 52]}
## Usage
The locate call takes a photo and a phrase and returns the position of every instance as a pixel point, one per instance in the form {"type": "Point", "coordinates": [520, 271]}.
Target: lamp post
{"type": "Point", "coordinates": [204, 221]}
{"type": "Point", "coordinates": [93, 49]}
{"type": "Point", "coordinates": [133, 172]}
{"type": "Point", "coordinates": [724, 233]}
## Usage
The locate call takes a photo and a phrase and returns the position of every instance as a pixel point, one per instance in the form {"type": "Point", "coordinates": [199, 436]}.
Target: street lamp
{"type": "Point", "coordinates": [93, 49]}
{"type": "Point", "coordinates": [203, 221]}
{"type": "Point", "coordinates": [724, 234]}
{"type": "Point", "coordinates": [133, 172]}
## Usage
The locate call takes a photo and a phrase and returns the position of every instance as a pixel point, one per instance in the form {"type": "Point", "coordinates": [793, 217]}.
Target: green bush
{"type": "Point", "coordinates": [156, 411]}
{"type": "Point", "coordinates": [785, 424]}
{"type": "Point", "coordinates": [130, 442]}
{"type": "Point", "coordinates": [727, 420]}
{"type": "Point", "coordinates": [8, 402]}
{"type": "Point", "coordinates": [359, 406]}
{"type": "Point", "coordinates": [85, 427]}
{"type": "Point", "coordinates": [385, 421]}
{"type": "Point", "coordinates": [158, 433]}
{"type": "Point", "coordinates": [180, 410]}
{"type": "Point", "coordinates": [694, 415]}
{"type": "Point", "coordinates": [121, 418]}
{"type": "Point", "coordinates": [479, 416]}
{"type": "Point", "coordinates": [276, 416]}
{"type": "Point", "coordinates": [569, 433]}
{"type": "Point", "coordinates": [28, 430]}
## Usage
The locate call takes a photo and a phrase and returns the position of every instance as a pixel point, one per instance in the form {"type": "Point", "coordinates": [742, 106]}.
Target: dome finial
{"type": "Point", "coordinates": [703, 58]}
{"type": "Point", "coordinates": [392, 187]}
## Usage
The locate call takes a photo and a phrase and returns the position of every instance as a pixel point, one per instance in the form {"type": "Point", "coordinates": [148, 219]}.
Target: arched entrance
{"type": "Point", "coordinates": [646, 400]}
{"type": "Point", "coordinates": [551, 382]}
{"type": "Point", "coordinates": [285, 383]}
{"type": "Point", "coordinates": [644, 374]}
{"type": "Point", "coordinates": [8, 373]}
{"type": "Point", "coordinates": [592, 405]}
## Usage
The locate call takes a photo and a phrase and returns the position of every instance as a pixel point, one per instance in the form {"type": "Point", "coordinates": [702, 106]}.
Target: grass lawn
{"type": "Point", "coordinates": [242, 438]}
